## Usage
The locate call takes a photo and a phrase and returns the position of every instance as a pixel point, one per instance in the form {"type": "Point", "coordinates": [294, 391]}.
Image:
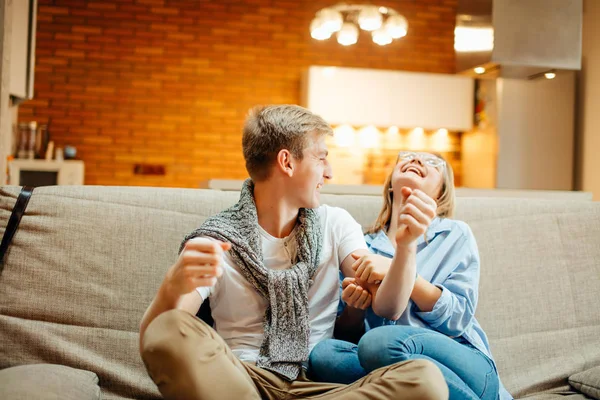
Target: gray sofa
{"type": "Point", "coordinates": [86, 261]}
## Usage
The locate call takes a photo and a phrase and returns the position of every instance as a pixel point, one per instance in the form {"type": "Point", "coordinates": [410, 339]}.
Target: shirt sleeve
{"type": "Point", "coordinates": [204, 292]}
{"type": "Point", "coordinates": [348, 233]}
{"type": "Point", "coordinates": [453, 313]}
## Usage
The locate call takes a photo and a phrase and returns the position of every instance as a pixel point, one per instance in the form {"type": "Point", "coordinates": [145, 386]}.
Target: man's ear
{"type": "Point", "coordinates": [285, 163]}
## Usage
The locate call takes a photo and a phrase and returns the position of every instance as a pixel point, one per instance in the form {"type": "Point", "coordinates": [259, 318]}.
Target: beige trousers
{"type": "Point", "coordinates": [188, 360]}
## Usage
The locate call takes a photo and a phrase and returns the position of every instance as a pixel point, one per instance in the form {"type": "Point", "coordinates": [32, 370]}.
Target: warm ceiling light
{"type": "Point", "coordinates": [550, 75]}
{"type": "Point", "coordinates": [343, 136]}
{"type": "Point", "coordinates": [381, 37]}
{"type": "Point", "coordinates": [348, 35]}
{"type": "Point", "coordinates": [472, 39]}
{"type": "Point", "coordinates": [440, 141]}
{"type": "Point", "coordinates": [417, 140]}
{"type": "Point", "coordinates": [332, 19]}
{"type": "Point", "coordinates": [396, 26]}
{"type": "Point", "coordinates": [345, 19]}
{"type": "Point", "coordinates": [370, 18]}
{"type": "Point", "coordinates": [318, 30]}
{"type": "Point", "coordinates": [479, 70]}
{"type": "Point", "coordinates": [368, 137]}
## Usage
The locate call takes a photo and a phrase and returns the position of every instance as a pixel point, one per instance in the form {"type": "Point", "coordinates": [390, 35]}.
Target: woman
{"type": "Point", "coordinates": [439, 323]}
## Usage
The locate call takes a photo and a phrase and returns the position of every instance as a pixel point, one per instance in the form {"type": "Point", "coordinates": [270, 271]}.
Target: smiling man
{"type": "Point", "coordinates": [270, 266]}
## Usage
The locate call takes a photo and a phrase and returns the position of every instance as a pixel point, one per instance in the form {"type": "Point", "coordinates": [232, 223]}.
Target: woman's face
{"type": "Point", "coordinates": [423, 171]}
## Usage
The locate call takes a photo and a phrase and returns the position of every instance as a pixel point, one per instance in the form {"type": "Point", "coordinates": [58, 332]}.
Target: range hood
{"type": "Point", "coordinates": [518, 38]}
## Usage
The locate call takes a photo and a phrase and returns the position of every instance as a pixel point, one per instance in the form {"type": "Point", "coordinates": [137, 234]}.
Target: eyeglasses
{"type": "Point", "coordinates": [427, 159]}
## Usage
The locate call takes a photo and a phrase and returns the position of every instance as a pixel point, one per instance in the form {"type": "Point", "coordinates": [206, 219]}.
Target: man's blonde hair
{"type": "Point", "coordinates": [445, 203]}
{"type": "Point", "coordinates": [270, 129]}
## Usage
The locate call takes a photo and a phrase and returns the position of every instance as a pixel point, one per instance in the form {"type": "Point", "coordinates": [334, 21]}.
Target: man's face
{"type": "Point", "coordinates": [310, 173]}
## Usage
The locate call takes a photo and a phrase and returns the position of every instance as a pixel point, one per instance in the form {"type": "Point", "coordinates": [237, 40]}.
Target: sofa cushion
{"type": "Point", "coordinates": [587, 382]}
{"type": "Point", "coordinates": [48, 381]}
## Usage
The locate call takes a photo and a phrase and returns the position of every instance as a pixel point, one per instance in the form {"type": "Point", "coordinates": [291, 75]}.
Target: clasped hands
{"type": "Point", "coordinates": [417, 212]}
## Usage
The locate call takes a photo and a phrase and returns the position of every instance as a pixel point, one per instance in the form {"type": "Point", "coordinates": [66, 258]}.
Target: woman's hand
{"type": "Point", "coordinates": [416, 214]}
{"type": "Point", "coordinates": [355, 295]}
{"type": "Point", "coordinates": [370, 268]}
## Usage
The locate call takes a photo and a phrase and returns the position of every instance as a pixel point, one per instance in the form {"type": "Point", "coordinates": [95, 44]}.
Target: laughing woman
{"type": "Point", "coordinates": [439, 323]}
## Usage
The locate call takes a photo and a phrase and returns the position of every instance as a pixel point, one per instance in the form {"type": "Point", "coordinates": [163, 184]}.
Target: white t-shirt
{"type": "Point", "coordinates": [238, 309]}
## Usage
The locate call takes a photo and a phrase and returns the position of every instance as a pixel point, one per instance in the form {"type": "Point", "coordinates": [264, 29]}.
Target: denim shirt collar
{"type": "Point", "coordinates": [380, 243]}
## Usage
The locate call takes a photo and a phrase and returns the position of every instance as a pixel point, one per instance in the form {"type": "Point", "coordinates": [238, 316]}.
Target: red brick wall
{"type": "Point", "coordinates": [170, 81]}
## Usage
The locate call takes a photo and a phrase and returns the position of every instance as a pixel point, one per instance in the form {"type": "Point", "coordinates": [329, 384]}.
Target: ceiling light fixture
{"type": "Point", "coordinates": [479, 70]}
{"type": "Point", "coordinates": [384, 23]}
{"type": "Point", "coordinates": [473, 39]}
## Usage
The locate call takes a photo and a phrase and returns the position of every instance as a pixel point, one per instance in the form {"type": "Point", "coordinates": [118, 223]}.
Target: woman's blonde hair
{"type": "Point", "coordinates": [445, 203]}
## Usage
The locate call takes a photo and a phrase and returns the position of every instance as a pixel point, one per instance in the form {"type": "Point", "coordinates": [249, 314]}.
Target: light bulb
{"type": "Point", "coordinates": [369, 18]}
{"type": "Point", "coordinates": [396, 26]}
{"type": "Point", "coordinates": [479, 70]}
{"type": "Point", "coordinates": [417, 139]}
{"type": "Point", "coordinates": [440, 141]}
{"type": "Point", "coordinates": [368, 137]}
{"type": "Point", "coordinates": [381, 37]}
{"type": "Point", "coordinates": [348, 35]}
{"type": "Point", "coordinates": [550, 75]}
{"type": "Point", "coordinates": [343, 136]}
{"type": "Point", "coordinates": [332, 20]}
{"type": "Point", "coordinates": [318, 30]}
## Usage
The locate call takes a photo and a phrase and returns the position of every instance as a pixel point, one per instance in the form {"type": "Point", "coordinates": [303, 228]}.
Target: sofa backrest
{"type": "Point", "coordinates": [87, 261]}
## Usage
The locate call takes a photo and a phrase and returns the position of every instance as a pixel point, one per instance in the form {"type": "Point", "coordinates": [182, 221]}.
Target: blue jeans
{"type": "Point", "coordinates": [469, 373]}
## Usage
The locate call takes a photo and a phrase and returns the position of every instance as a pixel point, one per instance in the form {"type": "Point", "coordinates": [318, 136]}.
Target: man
{"type": "Point", "coordinates": [270, 266]}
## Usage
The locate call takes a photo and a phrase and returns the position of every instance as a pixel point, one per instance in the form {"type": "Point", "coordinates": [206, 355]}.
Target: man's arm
{"type": "Point", "coordinates": [390, 297]}
{"type": "Point", "coordinates": [165, 301]}
{"type": "Point", "coordinates": [373, 268]}
{"type": "Point", "coordinates": [199, 264]}
{"type": "Point", "coordinates": [349, 325]}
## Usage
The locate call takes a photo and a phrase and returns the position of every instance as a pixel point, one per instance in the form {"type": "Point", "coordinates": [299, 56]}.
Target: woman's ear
{"type": "Point", "coordinates": [285, 163]}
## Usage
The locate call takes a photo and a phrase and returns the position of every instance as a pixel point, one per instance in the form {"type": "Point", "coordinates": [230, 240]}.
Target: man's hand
{"type": "Point", "coordinates": [416, 214]}
{"type": "Point", "coordinates": [370, 268]}
{"type": "Point", "coordinates": [199, 264]}
{"type": "Point", "coordinates": [354, 295]}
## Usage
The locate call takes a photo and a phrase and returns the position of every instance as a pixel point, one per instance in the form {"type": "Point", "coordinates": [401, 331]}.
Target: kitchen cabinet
{"type": "Point", "coordinates": [22, 49]}
{"type": "Point", "coordinates": [383, 98]}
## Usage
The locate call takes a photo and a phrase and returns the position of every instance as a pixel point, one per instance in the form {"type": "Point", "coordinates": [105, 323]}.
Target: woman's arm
{"type": "Point", "coordinates": [391, 297]}
{"type": "Point", "coordinates": [425, 295]}
{"type": "Point", "coordinates": [372, 268]}
{"type": "Point", "coordinates": [454, 310]}
{"type": "Point", "coordinates": [415, 216]}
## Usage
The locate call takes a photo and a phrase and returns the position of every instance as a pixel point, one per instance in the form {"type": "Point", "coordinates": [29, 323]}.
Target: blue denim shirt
{"type": "Point", "coordinates": [449, 259]}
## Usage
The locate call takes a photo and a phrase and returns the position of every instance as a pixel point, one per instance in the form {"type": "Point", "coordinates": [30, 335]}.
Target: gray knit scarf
{"type": "Point", "coordinates": [286, 320]}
